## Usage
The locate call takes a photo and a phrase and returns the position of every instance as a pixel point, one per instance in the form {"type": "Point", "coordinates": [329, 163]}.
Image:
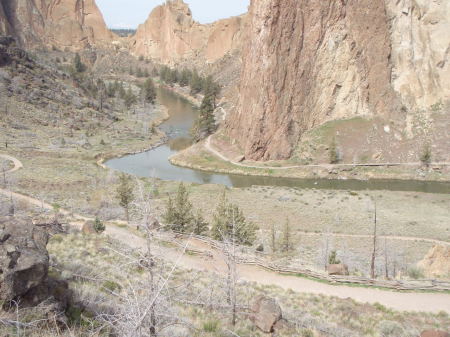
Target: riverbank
{"type": "Point", "coordinates": [206, 156]}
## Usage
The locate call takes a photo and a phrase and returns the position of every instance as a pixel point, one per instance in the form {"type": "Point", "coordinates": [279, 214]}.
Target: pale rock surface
{"type": "Point", "coordinates": [170, 35]}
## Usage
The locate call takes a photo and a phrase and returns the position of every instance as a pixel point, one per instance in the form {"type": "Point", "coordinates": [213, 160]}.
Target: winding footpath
{"type": "Point", "coordinates": [211, 149]}
{"type": "Point", "coordinates": [213, 261]}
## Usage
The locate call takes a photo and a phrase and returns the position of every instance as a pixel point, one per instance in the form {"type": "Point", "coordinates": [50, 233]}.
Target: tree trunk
{"type": "Point", "coordinates": [372, 264]}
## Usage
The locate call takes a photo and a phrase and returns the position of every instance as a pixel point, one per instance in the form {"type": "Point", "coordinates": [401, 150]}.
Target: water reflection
{"type": "Point", "coordinates": [155, 163]}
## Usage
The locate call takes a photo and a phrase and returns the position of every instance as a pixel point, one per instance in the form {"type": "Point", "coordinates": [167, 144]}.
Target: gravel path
{"type": "Point", "coordinates": [423, 302]}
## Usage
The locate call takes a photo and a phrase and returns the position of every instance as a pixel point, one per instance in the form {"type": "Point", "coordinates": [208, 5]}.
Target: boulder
{"type": "Point", "coordinates": [24, 264]}
{"type": "Point", "coordinates": [338, 269]}
{"type": "Point", "coordinates": [434, 333]}
{"type": "Point", "coordinates": [266, 313]}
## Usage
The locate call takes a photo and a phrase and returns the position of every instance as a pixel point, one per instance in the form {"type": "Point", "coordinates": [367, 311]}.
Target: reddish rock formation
{"type": "Point", "coordinates": [72, 24]}
{"type": "Point", "coordinates": [308, 62]}
{"type": "Point", "coordinates": [170, 35]}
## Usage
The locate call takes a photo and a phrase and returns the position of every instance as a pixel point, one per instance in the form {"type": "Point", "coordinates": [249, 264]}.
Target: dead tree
{"type": "Point", "coordinates": [374, 250]}
{"type": "Point", "coordinates": [229, 253]}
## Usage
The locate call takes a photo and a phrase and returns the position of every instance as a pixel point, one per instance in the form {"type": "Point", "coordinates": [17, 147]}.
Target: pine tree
{"type": "Point", "coordinates": [196, 83]}
{"type": "Point", "coordinates": [425, 157]}
{"type": "Point", "coordinates": [179, 211]}
{"type": "Point", "coordinates": [99, 227]}
{"type": "Point", "coordinates": [185, 77]}
{"type": "Point", "coordinates": [130, 98]}
{"type": "Point", "coordinates": [149, 91]}
{"type": "Point", "coordinates": [228, 216]}
{"type": "Point", "coordinates": [77, 64]}
{"type": "Point", "coordinates": [199, 225]}
{"type": "Point", "coordinates": [205, 124]}
{"type": "Point", "coordinates": [125, 194]}
{"type": "Point", "coordinates": [122, 92]}
{"type": "Point", "coordinates": [169, 215]}
{"type": "Point", "coordinates": [333, 152]}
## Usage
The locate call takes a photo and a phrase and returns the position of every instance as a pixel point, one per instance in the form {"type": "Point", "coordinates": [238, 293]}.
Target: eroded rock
{"type": "Point", "coordinates": [24, 264]}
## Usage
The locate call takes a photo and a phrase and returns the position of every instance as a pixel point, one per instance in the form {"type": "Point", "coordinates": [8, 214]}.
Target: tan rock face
{"type": "Point", "coordinates": [437, 262]}
{"type": "Point", "coordinates": [73, 24]}
{"type": "Point", "coordinates": [170, 35]}
{"type": "Point", "coordinates": [420, 51]}
{"type": "Point", "coordinates": [308, 62]}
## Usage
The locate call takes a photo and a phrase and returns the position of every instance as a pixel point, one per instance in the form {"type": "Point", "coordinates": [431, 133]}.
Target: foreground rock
{"type": "Point", "coordinates": [266, 313]}
{"type": "Point", "coordinates": [24, 264]}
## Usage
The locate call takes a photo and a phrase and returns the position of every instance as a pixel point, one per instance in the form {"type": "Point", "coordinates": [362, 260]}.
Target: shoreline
{"type": "Point", "coordinates": [187, 159]}
{"type": "Point", "coordinates": [328, 172]}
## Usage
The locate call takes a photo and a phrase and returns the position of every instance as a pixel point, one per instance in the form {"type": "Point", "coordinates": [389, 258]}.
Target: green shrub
{"type": "Point", "coordinates": [415, 273]}
{"type": "Point", "coordinates": [211, 325]}
{"type": "Point", "coordinates": [307, 333]}
{"type": "Point", "coordinates": [390, 328]}
{"type": "Point", "coordinates": [99, 227]}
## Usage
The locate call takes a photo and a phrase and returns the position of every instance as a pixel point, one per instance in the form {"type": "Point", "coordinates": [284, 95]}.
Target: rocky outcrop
{"type": "Point", "coordinates": [309, 62]}
{"type": "Point", "coordinates": [170, 35]}
{"type": "Point", "coordinates": [24, 264]}
{"type": "Point", "coordinates": [437, 262]}
{"type": "Point", "coordinates": [71, 24]}
{"type": "Point", "coordinates": [266, 313]}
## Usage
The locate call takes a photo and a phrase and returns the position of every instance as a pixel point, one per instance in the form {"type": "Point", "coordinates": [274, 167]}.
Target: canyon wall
{"type": "Point", "coordinates": [72, 24]}
{"type": "Point", "coordinates": [311, 61]}
{"type": "Point", "coordinates": [170, 35]}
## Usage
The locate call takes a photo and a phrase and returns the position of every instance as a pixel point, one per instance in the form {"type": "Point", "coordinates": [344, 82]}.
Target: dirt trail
{"type": "Point", "coordinates": [210, 148]}
{"type": "Point", "coordinates": [214, 262]}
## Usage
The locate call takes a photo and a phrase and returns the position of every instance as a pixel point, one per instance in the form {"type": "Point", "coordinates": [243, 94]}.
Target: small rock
{"type": "Point", "coordinates": [239, 159]}
{"type": "Point", "coordinates": [338, 269]}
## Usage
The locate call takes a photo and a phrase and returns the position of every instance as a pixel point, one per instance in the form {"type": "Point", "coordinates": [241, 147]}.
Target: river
{"type": "Point", "coordinates": [155, 163]}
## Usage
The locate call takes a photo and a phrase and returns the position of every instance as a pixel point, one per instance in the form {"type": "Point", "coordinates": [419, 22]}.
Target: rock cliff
{"type": "Point", "coordinates": [170, 35]}
{"type": "Point", "coordinates": [72, 24]}
{"type": "Point", "coordinates": [309, 62]}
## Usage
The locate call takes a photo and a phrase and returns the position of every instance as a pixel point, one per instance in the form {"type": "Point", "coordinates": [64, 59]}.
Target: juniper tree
{"type": "Point", "coordinates": [229, 223]}
{"type": "Point", "coordinates": [425, 157]}
{"type": "Point", "coordinates": [99, 227]}
{"type": "Point", "coordinates": [130, 98]}
{"type": "Point", "coordinates": [125, 194]}
{"type": "Point", "coordinates": [199, 225]}
{"type": "Point", "coordinates": [178, 213]}
{"type": "Point", "coordinates": [77, 64]}
{"type": "Point", "coordinates": [149, 91]}
{"type": "Point", "coordinates": [195, 83]}
{"type": "Point", "coordinates": [333, 152]}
